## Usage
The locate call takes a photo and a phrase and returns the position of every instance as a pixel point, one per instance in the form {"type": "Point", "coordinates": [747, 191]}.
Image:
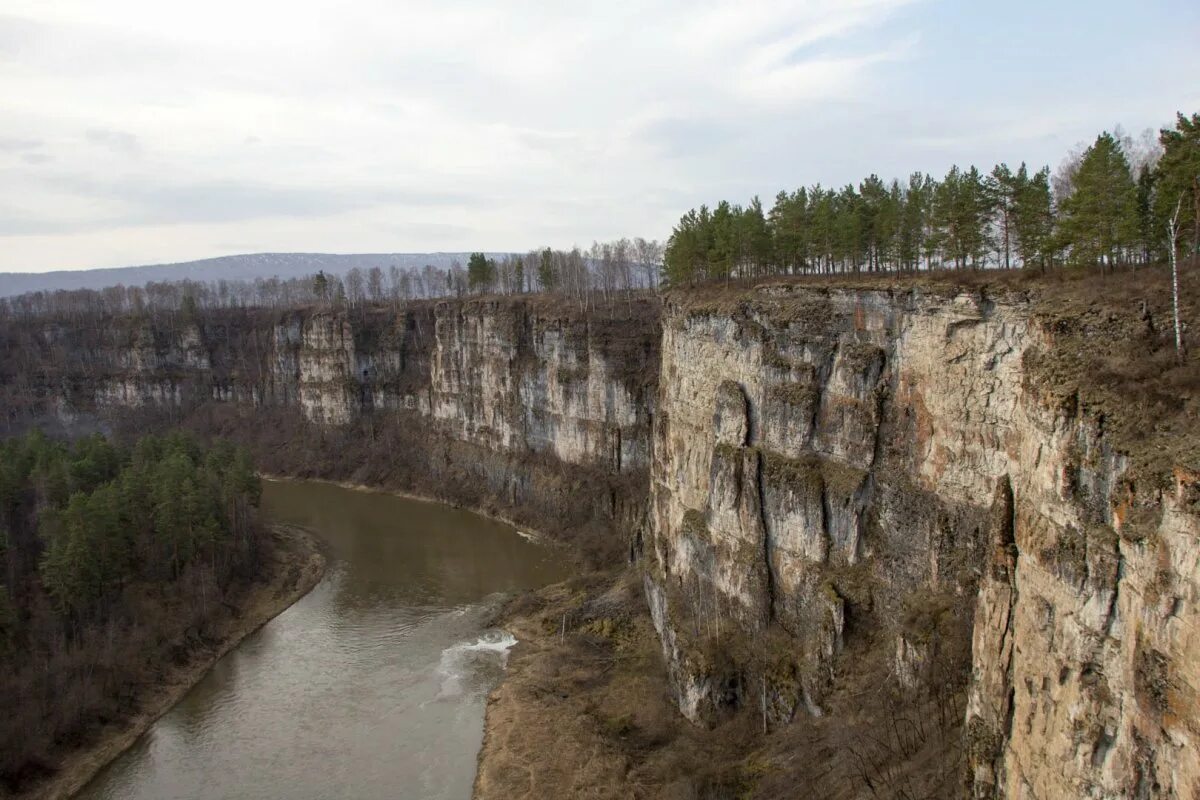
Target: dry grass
{"type": "Point", "coordinates": [1112, 356]}
{"type": "Point", "coordinates": [587, 684]}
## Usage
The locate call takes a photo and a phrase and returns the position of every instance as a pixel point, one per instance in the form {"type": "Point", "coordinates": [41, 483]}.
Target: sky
{"type": "Point", "coordinates": [143, 131]}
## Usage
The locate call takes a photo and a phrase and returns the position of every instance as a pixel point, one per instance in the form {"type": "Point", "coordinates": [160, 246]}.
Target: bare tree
{"type": "Point", "coordinates": [456, 279]}
{"type": "Point", "coordinates": [436, 281]}
{"type": "Point", "coordinates": [1172, 247]}
{"type": "Point", "coordinates": [355, 286]}
{"type": "Point", "coordinates": [1063, 181]}
{"type": "Point", "coordinates": [375, 284]}
{"type": "Point", "coordinates": [649, 258]}
{"type": "Point", "coordinates": [622, 263]}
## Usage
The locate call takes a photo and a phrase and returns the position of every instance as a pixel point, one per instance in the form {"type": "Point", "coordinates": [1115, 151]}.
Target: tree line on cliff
{"type": "Point", "coordinates": [109, 553]}
{"type": "Point", "coordinates": [1108, 204]}
{"type": "Point", "coordinates": [604, 269]}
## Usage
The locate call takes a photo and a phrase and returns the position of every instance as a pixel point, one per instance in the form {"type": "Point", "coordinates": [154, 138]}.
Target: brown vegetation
{"type": "Point", "coordinates": [118, 565]}
{"type": "Point", "coordinates": [586, 710]}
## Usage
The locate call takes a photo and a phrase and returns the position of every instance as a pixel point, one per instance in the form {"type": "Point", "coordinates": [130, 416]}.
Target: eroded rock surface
{"type": "Point", "coordinates": [878, 456]}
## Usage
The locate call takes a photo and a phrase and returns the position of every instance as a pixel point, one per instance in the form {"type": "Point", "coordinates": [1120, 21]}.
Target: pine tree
{"type": "Point", "coordinates": [685, 252]}
{"type": "Point", "coordinates": [755, 238]}
{"type": "Point", "coordinates": [976, 212]}
{"type": "Point", "coordinates": [173, 488]}
{"type": "Point", "coordinates": [320, 285]}
{"type": "Point", "coordinates": [848, 233]}
{"type": "Point", "coordinates": [1033, 217]}
{"type": "Point", "coordinates": [481, 272]}
{"type": "Point", "coordinates": [948, 213]}
{"type": "Point", "coordinates": [1099, 217]}
{"type": "Point", "coordinates": [824, 228]}
{"type": "Point", "coordinates": [59, 566]}
{"type": "Point", "coordinates": [107, 539]}
{"type": "Point", "coordinates": [724, 243]}
{"type": "Point", "coordinates": [872, 195]}
{"type": "Point", "coordinates": [547, 276]}
{"type": "Point", "coordinates": [1178, 177]}
{"type": "Point", "coordinates": [789, 234]}
{"type": "Point", "coordinates": [1003, 187]}
{"type": "Point", "coordinates": [887, 226]}
{"type": "Point", "coordinates": [1149, 240]}
{"type": "Point", "coordinates": [914, 218]}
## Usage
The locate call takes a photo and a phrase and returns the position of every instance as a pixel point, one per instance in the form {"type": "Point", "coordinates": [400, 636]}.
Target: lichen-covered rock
{"type": "Point", "coordinates": [818, 376]}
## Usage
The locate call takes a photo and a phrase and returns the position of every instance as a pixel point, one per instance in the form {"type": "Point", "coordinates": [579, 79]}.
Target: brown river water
{"type": "Point", "coordinates": [371, 686]}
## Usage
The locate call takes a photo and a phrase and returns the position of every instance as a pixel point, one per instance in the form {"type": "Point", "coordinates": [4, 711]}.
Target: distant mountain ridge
{"type": "Point", "coordinates": [239, 267]}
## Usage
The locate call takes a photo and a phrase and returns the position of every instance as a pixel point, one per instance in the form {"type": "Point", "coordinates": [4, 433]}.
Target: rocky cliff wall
{"type": "Point", "coordinates": [509, 404]}
{"type": "Point", "coordinates": [848, 481]}
{"type": "Point", "coordinates": [833, 491]}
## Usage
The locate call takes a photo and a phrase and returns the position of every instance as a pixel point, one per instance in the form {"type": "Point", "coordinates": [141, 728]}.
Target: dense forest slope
{"type": "Point", "coordinates": [979, 499]}
{"type": "Point", "coordinates": [124, 572]}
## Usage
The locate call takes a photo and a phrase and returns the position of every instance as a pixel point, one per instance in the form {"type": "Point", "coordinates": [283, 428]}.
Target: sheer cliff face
{"type": "Point", "coordinates": [579, 391]}
{"type": "Point", "coordinates": [507, 376]}
{"type": "Point", "coordinates": [882, 472]}
{"type": "Point", "coordinates": [513, 405]}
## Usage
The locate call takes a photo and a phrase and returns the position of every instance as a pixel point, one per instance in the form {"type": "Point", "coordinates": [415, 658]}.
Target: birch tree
{"type": "Point", "coordinates": [1172, 247]}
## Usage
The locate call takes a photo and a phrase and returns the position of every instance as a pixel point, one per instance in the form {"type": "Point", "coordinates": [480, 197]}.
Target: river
{"type": "Point", "coordinates": [371, 686]}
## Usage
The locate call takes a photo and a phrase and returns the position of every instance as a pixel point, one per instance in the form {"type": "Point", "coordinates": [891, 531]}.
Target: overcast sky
{"type": "Point", "coordinates": [142, 131]}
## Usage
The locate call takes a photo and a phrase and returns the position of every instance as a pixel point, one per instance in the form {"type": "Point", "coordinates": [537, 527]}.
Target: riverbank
{"type": "Point", "coordinates": [586, 670]}
{"type": "Point", "coordinates": [542, 726]}
{"type": "Point", "coordinates": [526, 531]}
{"type": "Point", "coordinates": [584, 709]}
{"type": "Point", "coordinates": [584, 706]}
{"type": "Point", "coordinates": [544, 736]}
{"type": "Point", "coordinates": [296, 564]}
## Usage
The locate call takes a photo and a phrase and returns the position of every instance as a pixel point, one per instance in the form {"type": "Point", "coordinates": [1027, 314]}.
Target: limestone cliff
{"type": "Point", "coordinates": [514, 404]}
{"type": "Point", "coordinates": [883, 470]}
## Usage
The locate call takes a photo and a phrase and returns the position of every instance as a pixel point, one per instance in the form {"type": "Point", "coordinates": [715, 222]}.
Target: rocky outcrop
{"type": "Point", "coordinates": [512, 381]}
{"type": "Point", "coordinates": [882, 471]}
{"type": "Point", "coordinates": [813, 507]}
{"type": "Point", "coordinates": [1084, 679]}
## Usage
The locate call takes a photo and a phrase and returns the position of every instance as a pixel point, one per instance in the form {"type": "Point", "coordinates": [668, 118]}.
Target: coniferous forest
{"type": "Point", "coordinates": [108, 552]}
{"type": "Point", "coordinates": [1108, 205]}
